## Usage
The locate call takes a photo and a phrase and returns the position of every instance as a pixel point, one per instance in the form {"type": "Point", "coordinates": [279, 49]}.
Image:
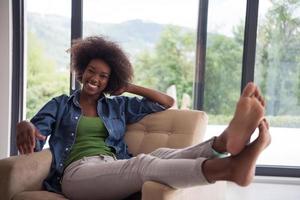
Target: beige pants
{"type": "Point", "coordinates": [104, 177]}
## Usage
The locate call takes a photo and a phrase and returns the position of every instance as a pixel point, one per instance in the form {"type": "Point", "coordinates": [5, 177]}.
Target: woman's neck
{"type": "Point", "coordinates": [88, 104]}
{"type": "Point", "coordinates": [88, 99]}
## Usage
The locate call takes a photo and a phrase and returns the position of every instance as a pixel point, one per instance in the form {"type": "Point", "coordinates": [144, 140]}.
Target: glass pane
{"type": "Point", "coordinates": [278, 74]}
{"type": "Point", "coordinates": [158, 35]}
{"type": "Point", "coordinates": [48, 38]}
{"type": "Point", "coordinates": [224, 55]}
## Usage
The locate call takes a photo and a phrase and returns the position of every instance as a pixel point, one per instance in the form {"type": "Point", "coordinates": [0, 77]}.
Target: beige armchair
{"type": "Point", "coordinates": [21, 176]}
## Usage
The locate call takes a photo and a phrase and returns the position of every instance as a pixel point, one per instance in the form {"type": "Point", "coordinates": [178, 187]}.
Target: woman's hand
{"type": "Point", "coordinates": [122, 90]}
{"type": "Point", "coordinates": [119, 91]}
{"type": "Point", "coordinates": [26, 137]}
{"type": "Point", "coordinates": [154, 95]}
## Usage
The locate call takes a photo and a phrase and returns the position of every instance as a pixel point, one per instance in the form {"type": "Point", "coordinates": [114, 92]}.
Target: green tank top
{"type": "Point", "coordinates": [90, 140]}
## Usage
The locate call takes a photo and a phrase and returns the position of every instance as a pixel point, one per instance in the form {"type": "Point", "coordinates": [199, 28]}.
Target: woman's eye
{"type": "Point", "coordinates": [104, 76]}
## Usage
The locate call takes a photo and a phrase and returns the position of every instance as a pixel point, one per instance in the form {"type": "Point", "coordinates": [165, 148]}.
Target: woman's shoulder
{"type": "Point", "coordinates": [120, 99]}
{"type": "Point", "coordinates": [62, 97]}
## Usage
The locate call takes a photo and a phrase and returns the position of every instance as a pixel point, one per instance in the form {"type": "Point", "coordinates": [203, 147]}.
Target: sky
{"type": "Point", "coordinates": [222, 16]}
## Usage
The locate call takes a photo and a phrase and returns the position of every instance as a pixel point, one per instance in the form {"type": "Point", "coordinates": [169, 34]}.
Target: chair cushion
{"type": "Point", "coordinates": [170, 128]}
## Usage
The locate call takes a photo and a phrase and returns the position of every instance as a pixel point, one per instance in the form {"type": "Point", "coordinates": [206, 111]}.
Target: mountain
{"type": "Point", "coordinates": [54, 32]}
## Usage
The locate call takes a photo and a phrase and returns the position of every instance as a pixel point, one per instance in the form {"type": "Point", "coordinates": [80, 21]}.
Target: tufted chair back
{"type": "Point", "coordinates": [170, 128]}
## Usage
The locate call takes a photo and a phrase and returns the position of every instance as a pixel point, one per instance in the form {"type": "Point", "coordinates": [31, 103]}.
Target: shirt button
{"type": "Point", "coordinates": [76, 117]}
{"type": "Point", "coordinates": [61, 164]}
{"type": "Point", "coordinates": [67, 149]}
{"type": "Point", "coordinates": [72, 134]}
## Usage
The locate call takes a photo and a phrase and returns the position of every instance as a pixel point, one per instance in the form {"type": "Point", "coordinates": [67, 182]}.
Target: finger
{"type": "Point", "coordinates": [25, 144]}
{"type": "Point", "coordinates": [21, 150]}
{"type": "Point", "coordinates": [40, 136]}
{"type": "Point", "coordinates": [32, 149]}
{"type": "Point", "coordinates": [32, 139]}
{"type": "Point", "coordinates": [21, 145]}
{"type": "Point", "coordinates": [28, 148]}
{"type": "Point", "coordinates": [18, 141]}
{"type": "Point", "coordinates": [29, 144]}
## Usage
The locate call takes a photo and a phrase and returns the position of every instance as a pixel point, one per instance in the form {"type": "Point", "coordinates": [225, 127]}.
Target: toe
{"type": "Point", "coordinates": [249, 90]}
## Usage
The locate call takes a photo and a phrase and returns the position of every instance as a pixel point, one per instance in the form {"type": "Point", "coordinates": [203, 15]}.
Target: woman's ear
{"type": "Point", "coordinates": [78, 76]}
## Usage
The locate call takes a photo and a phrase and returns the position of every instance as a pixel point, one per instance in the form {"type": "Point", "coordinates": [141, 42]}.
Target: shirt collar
{"type": "Point", "coordinates": [76, 95]}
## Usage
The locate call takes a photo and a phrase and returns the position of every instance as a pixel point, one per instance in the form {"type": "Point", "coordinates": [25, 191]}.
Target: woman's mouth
{"type": "Point", "coordinates": [92, 86]}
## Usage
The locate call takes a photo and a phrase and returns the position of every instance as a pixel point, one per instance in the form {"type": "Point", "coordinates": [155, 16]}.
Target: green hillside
{"type": "Point", "coordinates": [54, 32]}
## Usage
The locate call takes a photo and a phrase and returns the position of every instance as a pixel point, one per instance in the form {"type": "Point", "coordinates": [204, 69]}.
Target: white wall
{"type": "Point", "coordinates": [5, 76]}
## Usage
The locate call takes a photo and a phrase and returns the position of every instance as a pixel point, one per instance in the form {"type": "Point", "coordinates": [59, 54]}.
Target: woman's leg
{"type": "Point", "coordinates": [248, 114]}
{"type": "Point", "coordinates": [240, 168]}
{"type": "Point", "coordinates": [106, 178]}
{"type": "Point", "coordinates": [203, 149]}
{"type": "Point", "coordinates": [111, 179]}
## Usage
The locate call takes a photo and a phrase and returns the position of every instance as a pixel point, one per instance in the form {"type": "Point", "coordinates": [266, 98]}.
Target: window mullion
{"type": "Point", "coordinates": [249, 42]}
{"type": "Point", "coordinates": [200, 55]}
{"type": "Point", "coordinates": [76, 32]}
{"type": "Point", "coordinates": [17, 71]}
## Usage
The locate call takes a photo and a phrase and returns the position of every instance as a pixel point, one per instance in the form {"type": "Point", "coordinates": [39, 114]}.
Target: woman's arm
{"type": "Point", "coordinates": [154, 95]}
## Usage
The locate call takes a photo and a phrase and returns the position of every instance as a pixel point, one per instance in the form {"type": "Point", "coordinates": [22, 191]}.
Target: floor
{"type": "Point", "coordinates": [266, 188]}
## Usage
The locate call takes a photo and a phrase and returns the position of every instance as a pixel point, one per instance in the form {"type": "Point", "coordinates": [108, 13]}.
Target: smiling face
{"type": "Point", "coordinates": [95, 77]}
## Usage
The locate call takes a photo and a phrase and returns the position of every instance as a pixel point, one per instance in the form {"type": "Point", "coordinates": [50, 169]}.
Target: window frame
{"type": "Point", "coordinates": [248, 66]}
{"type": "Point", "coordinates": [76, 33]}
{"type": "Point", "coordinates": [17, 71]}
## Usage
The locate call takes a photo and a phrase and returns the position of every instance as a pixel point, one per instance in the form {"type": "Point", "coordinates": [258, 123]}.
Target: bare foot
{"type": "Point", "coordinates": [243, 165]}
{"type": "Point", "coordinates": [248, 114]}
{"type": "Point", "coordinates": [240, 168]}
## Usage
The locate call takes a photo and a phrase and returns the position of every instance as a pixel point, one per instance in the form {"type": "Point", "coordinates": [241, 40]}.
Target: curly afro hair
{"type": "Point", "coordinates": [98, 47]}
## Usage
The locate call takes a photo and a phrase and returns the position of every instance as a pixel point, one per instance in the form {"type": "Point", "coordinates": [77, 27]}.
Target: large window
{"type": "Point", "coordinates": [158, 35]}
{"type": "Point", "coordinates": [277, 72]}
{"type": "Point", "coordinates": [161, 37]}
{"type": "Point", "coordinates": [224, 56]}
{"type": "Point", "coordinates": [48, 38]}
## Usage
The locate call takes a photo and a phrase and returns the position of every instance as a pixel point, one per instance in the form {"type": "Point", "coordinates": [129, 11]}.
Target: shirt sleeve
{"type": "Point", "coordinates": [136, 108]}
{"type": "Point", "coordinates": [45, 120]}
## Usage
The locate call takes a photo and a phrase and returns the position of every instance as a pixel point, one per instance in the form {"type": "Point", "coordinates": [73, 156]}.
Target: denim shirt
{"type": "Point", "coordinates": [59, 117]}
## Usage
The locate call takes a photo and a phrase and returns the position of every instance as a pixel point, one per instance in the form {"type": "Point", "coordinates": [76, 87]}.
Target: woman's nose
{"type": "Point", "coordinates": [94, 79]}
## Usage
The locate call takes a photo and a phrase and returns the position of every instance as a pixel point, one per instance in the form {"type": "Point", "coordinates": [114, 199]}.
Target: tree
{"type": "Point", "coordinates": [171, 63]}
{"type": "Point", "coordinates": [222, 75]}
{"type": "Point", "coordinates": [278, 57]}
{"type": "Point", "coordinates": [43, 80]}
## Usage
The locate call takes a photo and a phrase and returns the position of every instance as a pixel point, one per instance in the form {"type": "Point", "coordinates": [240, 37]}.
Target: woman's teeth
{"type": "Point", "coordinates": [92, 85]}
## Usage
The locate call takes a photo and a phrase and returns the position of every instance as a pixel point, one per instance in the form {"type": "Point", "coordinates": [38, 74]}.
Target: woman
{"type": "Point", "coordinates": [90, 157]}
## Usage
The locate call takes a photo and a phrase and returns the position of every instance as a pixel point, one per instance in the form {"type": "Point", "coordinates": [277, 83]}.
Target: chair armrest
{"type": "Point", "coordinates": [153, 190]}
{"type": "Point", "coordinates": [23, 173]}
